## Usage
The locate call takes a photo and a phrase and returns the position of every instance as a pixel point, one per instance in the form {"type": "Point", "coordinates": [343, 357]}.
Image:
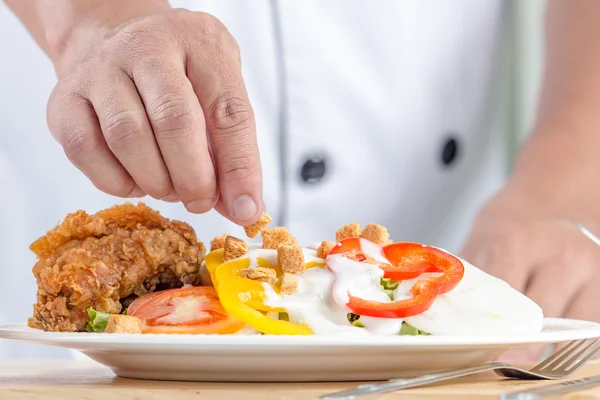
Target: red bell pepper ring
{"type": "Point", "coordinates": [407, 261]}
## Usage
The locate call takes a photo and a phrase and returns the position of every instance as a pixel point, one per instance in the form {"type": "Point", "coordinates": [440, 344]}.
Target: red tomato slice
{"type": "Point", "coordinates": [140, 301]}
{"type": "Point", "coordinates": [187, 310]}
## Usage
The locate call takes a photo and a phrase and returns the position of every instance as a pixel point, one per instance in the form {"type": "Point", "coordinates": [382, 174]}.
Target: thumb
{"type": "Point", "coordinates": [231, 128]}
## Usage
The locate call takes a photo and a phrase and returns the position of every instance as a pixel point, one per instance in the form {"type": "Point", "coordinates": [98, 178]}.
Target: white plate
{"type": "Point", "coordinates": [292, 358]}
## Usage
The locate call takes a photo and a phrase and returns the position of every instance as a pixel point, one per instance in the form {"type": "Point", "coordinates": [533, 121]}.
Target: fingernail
{"type": "Point", "coordinates": [244, 208]}
{"type": "Point", "coordinates": [172, 197]}
{"type": "Point", "coordinates": [137, 192]}
{"type": "Point", "coordinates": [199, 206]}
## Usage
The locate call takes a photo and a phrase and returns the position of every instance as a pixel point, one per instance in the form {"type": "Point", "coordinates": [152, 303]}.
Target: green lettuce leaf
{"type": "Point", "coordinates": [389, 284]}
{"type": "Point", "coordinates": [97, 322]}
{"type": "Point", "coordinates": [408, 329]}
{"type": "Point", "coordinates": [353, 319]}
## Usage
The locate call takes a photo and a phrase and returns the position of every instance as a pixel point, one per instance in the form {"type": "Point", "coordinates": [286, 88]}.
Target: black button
{"type": "Point", "coordinates": [450, 151]}
{"type": "Point", "coordinates": [313, 170]}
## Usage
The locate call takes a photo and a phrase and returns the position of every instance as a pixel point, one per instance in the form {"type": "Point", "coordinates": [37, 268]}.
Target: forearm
{"type": "Point", "coordinates": [559, 166]}
{"type": "Point", "coordinates": [53, 23]}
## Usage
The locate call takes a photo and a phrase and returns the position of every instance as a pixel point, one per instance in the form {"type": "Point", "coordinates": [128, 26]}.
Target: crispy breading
{"type": "Point", "coordinates": [261, 274]}
{"type": "Point", "coordinates": [325, 248]}
{"type": "Point", "coordinates": [119, 323]}
{"type": "Point", "coordinates": [253, 230]}
{"type": "Point", "coordinates": [376, 233]}
{"type": "Point", "coordinates": [218, 242]}
{"type": "Point", "coordinates": [289, 283]}
{"type": "Point", "coordinates": [97, 260]}
{"type": "Point", "coordinates": [234, 248]}
{"type": "Point", "coordinates": [350, 230]}
{"type": "Point", "coordinates": [273, 237]}
{"type": "Point", "coordinates": [290, 257]}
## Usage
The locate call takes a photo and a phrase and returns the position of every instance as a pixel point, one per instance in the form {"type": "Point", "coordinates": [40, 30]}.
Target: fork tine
{"type": "Point", "coordinates": [576, 364]}
{"type": "Point", "coordinates": [575, 352]}
{"type": "Point", "coordinates": [558, 354]}
{"type": "Point", "coordinates": [572, 356]}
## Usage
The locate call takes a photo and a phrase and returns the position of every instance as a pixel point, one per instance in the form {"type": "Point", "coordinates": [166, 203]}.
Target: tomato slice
{"type": "Point", "coordinates": [140, 301]}
{"type": "Point", "coordinates": [195, 310]}
{"type": "Point", "coordinates": [406, 261]}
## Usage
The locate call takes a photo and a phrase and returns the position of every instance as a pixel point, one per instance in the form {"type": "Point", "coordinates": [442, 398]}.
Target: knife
{"type": "Point", "coordinates": [549, 390]}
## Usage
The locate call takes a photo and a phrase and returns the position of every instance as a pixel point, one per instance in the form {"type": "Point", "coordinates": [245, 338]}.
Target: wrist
{"type": "Point", "coordinates": [556, 174]}
{"type": "Point", "coordinates": [72, 27]}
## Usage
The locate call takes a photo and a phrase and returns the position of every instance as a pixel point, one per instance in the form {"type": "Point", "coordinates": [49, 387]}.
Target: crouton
{"type": "Point", "coordinates": [376, 233]}
{"type": "Point", "coordinates": [324, 249]}
{"type": "Point", "coordinates": [119, 323]}
{"type": "Point", "coordinates": [253, 230]}
{"type": "Point", "coordinates": [261, 274]}
{"type": "Point", "coordinates": [350, 230]}
{"type": "Point", "coordinates": [289, 283]}
{"type": "Point", "coordinates": [234, 248]}
{"type": "Point", "coordinates": [290, 257]}
{"type": "Point", "coordinates": [273, 237]}
{"type": "Point", "coordinates": [218, 242]}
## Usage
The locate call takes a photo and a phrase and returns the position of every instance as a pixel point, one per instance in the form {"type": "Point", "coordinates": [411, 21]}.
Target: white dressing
{"type": "Point", "coordinates": [480, 304]}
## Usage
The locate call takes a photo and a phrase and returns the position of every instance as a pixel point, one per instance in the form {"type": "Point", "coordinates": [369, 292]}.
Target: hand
{"type": "Point", "coordinates": [541, 254]}
{"type": "Point", "coordinates": [155, 104]}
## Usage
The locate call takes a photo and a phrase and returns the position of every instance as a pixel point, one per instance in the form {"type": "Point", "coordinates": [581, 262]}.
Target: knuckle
{"type": "Point", "coordinates": [122, 129]}
{"type": "Point", "coordinates": [159, 189]}
{"type": "Point", "coordinates": [136, 33]}
{"type": "Point", "coordinates": [172, 117]}
{"type": "Point", "coordinates": [239, 167]}
{"type": "Point", "coordinates": [230, 113]}
{"type": "Point", "coordinates": [197, 189]}
{"type": "Point", "coordinates": [119, 187]}
{"type": "Point", "coordinates": [208, 22]}
{"type": "Point", "coordinates": [213, 34]}
{"type": "Point", "coordinates": [146, 36]}
{"type": "Point", "coordinates": [76, 143]}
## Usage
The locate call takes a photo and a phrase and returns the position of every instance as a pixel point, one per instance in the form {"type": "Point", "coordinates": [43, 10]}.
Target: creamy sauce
{"type": "Point", "coordinates": [312, 304]}
{"type": "Point", "coordinates": [323, 294]}
{"type": "Point", "coordinates": [480, 304]}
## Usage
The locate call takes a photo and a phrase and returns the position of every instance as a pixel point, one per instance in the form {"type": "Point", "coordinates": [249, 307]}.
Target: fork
{"type": "Point", "coordinates": [560, 364]}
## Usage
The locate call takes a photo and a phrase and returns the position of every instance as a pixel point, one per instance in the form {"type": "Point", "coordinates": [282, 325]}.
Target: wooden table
{"type": "Point", "coordinates": [70, 380]}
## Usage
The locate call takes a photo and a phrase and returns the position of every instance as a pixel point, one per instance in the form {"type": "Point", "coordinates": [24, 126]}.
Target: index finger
{"type": "Point", "coordinates": [218, 84]}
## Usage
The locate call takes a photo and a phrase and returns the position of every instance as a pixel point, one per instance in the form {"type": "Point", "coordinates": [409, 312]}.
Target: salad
{"type": "Point", "coordinates": [361, 284]}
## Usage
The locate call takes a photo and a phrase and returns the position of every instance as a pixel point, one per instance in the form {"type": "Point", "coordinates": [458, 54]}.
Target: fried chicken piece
{"type": "Point", "coordinates": [97, 260]}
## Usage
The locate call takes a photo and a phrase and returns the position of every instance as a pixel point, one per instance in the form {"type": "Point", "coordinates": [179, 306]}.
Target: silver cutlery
{"type": "Point", "coordinates": [560, 364]}
{"type": "Point", "coordinates": [551, 390]}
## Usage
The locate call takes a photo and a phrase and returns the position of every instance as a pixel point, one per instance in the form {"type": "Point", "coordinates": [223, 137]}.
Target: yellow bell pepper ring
{"type": "Point", "coordinates": [244, 298]}
{"type": "Point", "coordinates": [230, 276]}
{"type": "Point", "coordinates": [234, 295]}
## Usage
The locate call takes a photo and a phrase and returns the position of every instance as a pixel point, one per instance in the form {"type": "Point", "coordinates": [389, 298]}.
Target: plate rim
{"type": "Point", "coordinates": [581, 329]}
